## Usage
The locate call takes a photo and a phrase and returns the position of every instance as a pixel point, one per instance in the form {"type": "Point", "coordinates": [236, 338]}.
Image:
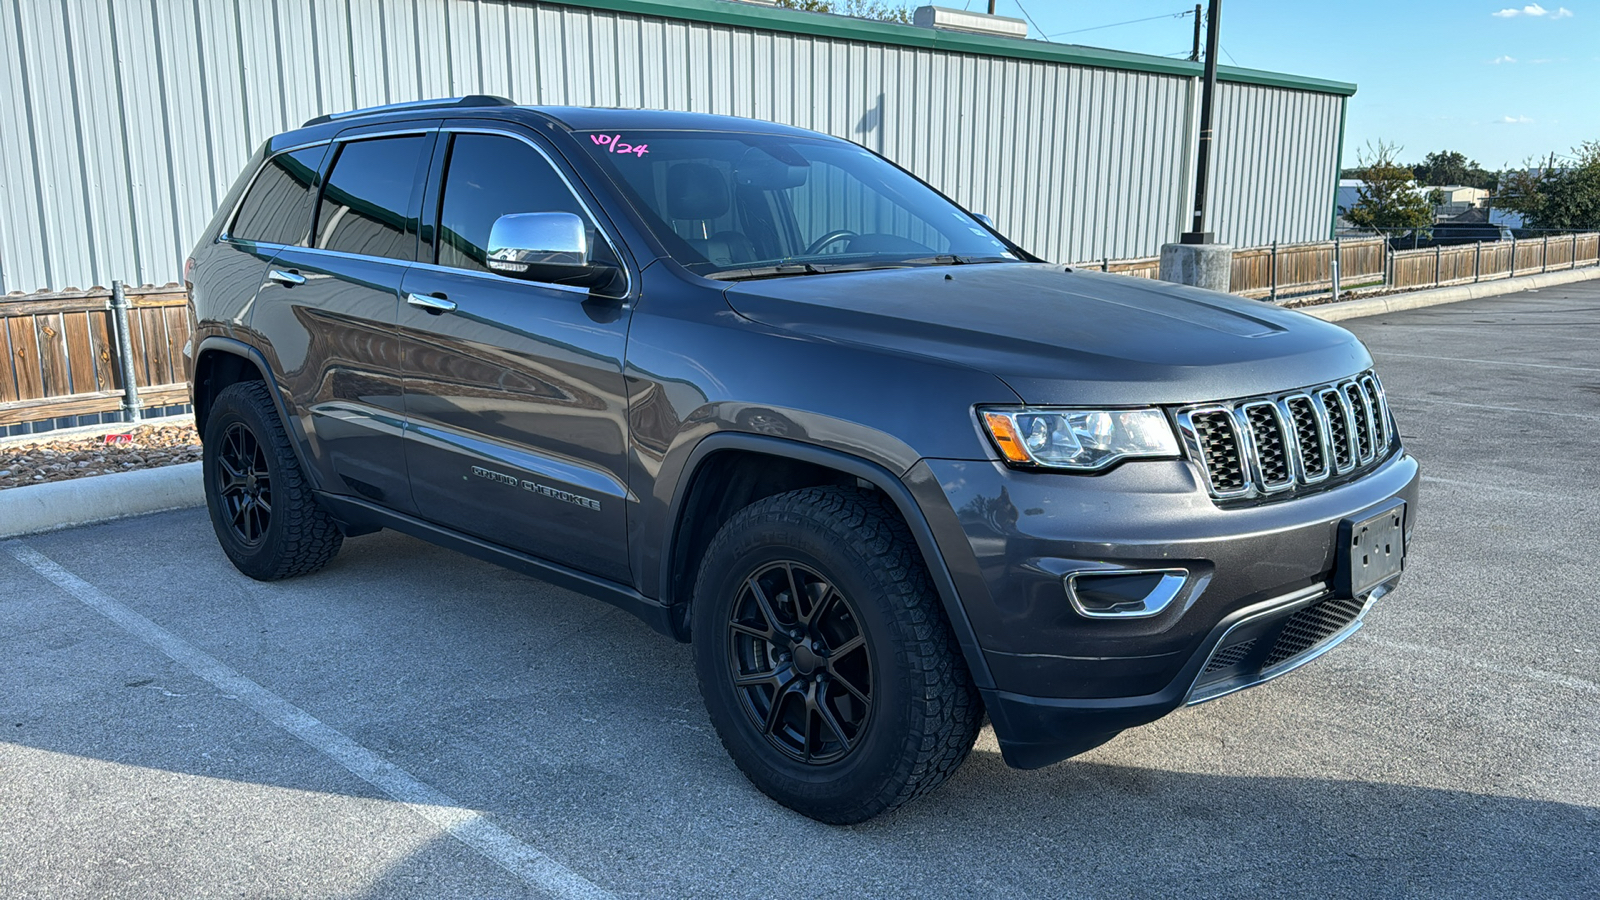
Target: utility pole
{"type": "Point", "coordinates": [1202, 177]}
{"type": "Point", "coordinates": [1199, 17]}
{"type": "Point", "coordinates": [991, 7]}
{"type": "Point", "coordinates": [1197, 258]}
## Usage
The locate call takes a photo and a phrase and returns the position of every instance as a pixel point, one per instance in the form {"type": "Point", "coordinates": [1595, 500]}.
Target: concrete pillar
{"type": "Point", "coordinates": [1208, 266]}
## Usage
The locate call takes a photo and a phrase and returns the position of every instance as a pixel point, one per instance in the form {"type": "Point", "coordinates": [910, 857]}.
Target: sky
{"type": "Point", "coordinates": [1498, 82]}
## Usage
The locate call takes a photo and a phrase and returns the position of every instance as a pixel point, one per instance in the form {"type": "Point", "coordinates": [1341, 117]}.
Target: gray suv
{"type": "Point", "coordinates": [885, 470]}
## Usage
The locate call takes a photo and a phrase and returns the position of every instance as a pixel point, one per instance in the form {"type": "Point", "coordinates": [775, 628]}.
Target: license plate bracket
{"type": "Point", "coordinates": [1371, 550]}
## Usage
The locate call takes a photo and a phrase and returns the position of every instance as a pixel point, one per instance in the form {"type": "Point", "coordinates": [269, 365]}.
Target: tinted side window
{"type": "Point", "coordinates": [488, 177]}
{"type": "Point", "coordinates": [366, 206]}
{"type": "Point", "coordinates": [277, 209]}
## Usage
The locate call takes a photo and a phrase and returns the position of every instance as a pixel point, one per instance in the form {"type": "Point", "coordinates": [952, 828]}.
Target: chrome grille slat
{"type": "Point", "coordinates": [1269, 448]}
{"type": "Point", "coordinates": [1275, 444]}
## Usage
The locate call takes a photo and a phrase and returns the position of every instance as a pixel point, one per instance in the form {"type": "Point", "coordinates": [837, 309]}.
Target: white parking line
{"type": "Point", "coordinates": [465, 825]}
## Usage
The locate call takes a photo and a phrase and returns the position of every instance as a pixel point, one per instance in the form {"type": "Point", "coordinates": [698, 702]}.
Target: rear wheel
{"type": "Point", "coordinates": [263, 511]}
{"type": "Point", "coordinates": [824, 659]}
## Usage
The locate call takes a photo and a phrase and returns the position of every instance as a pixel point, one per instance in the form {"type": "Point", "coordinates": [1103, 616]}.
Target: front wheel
{"type": "Point", "coordinates": [825, 661]}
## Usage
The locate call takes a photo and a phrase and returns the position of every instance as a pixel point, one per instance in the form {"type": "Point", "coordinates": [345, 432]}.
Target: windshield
{"type": "Point", "coordinates": [730, 205]}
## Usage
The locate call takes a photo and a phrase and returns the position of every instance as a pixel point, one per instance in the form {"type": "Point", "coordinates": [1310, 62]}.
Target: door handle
{"type": "Point", "coordinates": [437, 305]}
{"type": "Point", "coordinates": [287, 279]}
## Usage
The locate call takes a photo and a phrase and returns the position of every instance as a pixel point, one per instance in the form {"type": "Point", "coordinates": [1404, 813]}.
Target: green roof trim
{"type": "Point", "coordinates": [772, 18]}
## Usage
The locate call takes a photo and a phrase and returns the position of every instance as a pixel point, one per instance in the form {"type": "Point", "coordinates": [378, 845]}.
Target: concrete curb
{"type": "Point", "coordinates": [1372, 306]}
{"type": "Point", "coordinates": [99, 498]}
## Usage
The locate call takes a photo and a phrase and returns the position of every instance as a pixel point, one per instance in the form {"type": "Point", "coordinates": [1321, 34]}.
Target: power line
{"type": "Point", "coordinates": [1177, 15]}
{"type": "Point", "coordinates": [1030, 18]}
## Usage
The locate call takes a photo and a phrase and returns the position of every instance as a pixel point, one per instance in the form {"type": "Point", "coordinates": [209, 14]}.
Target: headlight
{"type": "Point", "coordinates": [1085, 440]}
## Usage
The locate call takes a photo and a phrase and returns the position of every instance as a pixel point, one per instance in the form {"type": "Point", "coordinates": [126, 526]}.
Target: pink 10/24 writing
{"type": "Point", "coordinates": [616, 145]}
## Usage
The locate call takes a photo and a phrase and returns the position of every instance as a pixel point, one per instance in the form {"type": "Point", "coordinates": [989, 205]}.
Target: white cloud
{"type": "Point", "coordinates": [1513, 120]}
{"type": "Point", "coordinates": [1533, 10]}
{"type": "Point", "coordinates": [1502, 60]}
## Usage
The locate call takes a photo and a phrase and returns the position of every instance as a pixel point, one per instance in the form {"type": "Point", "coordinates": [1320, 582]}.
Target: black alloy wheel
{"type": "Point", "coordinates": [263, 509]}
{"type": "Point", "coordinates": [827, 665]}
{"type": "Point", "coordinates": [798, 660]}
{"type": "Point", "coordinates": [244, 485]}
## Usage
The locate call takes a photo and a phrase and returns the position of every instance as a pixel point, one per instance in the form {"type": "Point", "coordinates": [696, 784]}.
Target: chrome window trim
{"type": "Point", "coordinates": [599, 227]}
{"type": "Point", "coordinates": [233, 214]}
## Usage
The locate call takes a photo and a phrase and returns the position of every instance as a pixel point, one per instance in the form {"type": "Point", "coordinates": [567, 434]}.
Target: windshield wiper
{"type": "Point", "coordinates": [950, 259]}
{"type": "Point", "coordinates": [782, 270]}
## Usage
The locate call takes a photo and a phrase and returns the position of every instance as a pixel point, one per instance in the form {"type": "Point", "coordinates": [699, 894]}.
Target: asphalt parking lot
{"type": "Point", "coordinates": [171, 728]}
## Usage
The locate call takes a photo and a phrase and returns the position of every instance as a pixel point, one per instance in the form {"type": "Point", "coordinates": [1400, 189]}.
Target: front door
{"type": "Point", "coordinates": [516, 412]}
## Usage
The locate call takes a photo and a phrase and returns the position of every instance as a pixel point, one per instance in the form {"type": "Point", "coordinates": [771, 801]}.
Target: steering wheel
{"type": "Point", "coordinates": [832, 237]}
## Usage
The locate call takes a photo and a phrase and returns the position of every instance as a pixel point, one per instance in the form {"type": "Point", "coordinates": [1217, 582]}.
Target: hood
{"type": "Point", "coordinates": [1065, 336]}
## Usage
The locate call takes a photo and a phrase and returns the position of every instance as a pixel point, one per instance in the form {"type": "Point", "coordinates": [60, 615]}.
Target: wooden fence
{"type": "Point", "coordinates": [1288, 270]}
{"type": "Point", "coordinates": [1435, 266]}
{"type": "Point", "coordinates": [62, 350]}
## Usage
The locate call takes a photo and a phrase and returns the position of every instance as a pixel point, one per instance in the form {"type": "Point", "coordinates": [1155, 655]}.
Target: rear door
{"type": "Point", "coordinates": [329, 310]}
{"type": "Point", "coordinates": [515, 404]}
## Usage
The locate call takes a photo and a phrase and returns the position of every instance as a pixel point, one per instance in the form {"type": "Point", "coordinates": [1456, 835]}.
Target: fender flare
{"type": "Point", "coordinates": [236, 347]}
{"type": "Point", "coordinates": [868, 471]}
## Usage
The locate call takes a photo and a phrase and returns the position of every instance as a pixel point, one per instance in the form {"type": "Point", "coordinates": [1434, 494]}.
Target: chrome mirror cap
{"type": "Point", "coordinates": [523, 244]}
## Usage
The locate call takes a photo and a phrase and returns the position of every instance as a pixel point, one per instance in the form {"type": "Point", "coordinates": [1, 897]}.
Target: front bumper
{"type": "Point", "coordinates": [1063, 683]}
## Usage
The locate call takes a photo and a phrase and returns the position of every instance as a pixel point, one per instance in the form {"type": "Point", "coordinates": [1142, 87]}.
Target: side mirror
{"type": "Point", "coordinates": [544, 246]}
{"type": "Point", "coordinates": [984, 219]}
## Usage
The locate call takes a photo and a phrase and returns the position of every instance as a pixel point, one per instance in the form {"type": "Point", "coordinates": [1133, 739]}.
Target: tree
{"type": "Point", "coordinates": [1564, 197]}
{"type": "Point", "coordinates": [1448, 167]}
{"type": "Point", "coordinates": [1388, 197]}
{"type": "Point", "coordinates": [860, 9]}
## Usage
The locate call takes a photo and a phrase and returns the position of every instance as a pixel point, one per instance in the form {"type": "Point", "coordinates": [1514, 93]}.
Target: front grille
{"type": "Point", "coordinates": [1310, 627]}
{"type": "Point", "coordinates": [1262, 445]}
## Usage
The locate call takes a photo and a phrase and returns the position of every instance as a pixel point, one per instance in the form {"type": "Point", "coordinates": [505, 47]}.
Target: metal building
{"type": "Point", "coordinates": [122, 122]}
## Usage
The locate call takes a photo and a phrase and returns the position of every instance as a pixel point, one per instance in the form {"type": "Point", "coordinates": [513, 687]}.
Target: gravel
{"type": "Point", "coordinates": [66, 458]}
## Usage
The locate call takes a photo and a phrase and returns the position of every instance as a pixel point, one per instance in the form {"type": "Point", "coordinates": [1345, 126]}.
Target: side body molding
{"type": "Point", "coordinates": [878, 477]}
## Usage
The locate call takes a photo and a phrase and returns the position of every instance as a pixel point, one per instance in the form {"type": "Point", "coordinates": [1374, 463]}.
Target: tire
{"type": "Point", "coordinates": [874, 703]}
{"type": "Point", "coordinates": [262, 508]}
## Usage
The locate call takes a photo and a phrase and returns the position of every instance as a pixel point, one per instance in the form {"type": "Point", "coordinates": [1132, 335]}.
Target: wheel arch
{"type": "Point", "coordinates": [221, 361]}
{"type": "Point", "coordinates": [699, 509]}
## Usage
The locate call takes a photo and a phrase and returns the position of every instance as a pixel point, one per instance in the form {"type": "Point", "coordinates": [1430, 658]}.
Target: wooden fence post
{"type": "Point", "coordinates": [1513, 257]}
{"type": "Point", "coordinates": [1438, 263]}
{"type": "Point", "coordinates": [1544, 254]}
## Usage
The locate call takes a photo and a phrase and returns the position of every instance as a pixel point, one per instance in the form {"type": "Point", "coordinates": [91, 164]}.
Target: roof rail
{"type": "Point", "coordinates": [469, 100]}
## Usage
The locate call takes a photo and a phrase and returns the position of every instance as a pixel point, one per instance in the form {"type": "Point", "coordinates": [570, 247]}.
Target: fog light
{"type": "Point", "coordinates": [1124, 593]}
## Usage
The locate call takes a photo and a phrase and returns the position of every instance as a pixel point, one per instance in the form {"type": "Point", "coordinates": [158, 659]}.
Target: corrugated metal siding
{"type": "Point", "coordinates": [122, 122]}
{"type": "Point", "coordinates": [1277, 158]}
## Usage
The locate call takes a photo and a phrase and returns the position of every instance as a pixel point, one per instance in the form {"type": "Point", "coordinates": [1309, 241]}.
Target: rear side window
{"type": "Point", "coordinates": [277, 208]}
{"type": "Point", "coordinates": [368, 201]}
{"type": "Point", "coordinates": [489, 176]}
